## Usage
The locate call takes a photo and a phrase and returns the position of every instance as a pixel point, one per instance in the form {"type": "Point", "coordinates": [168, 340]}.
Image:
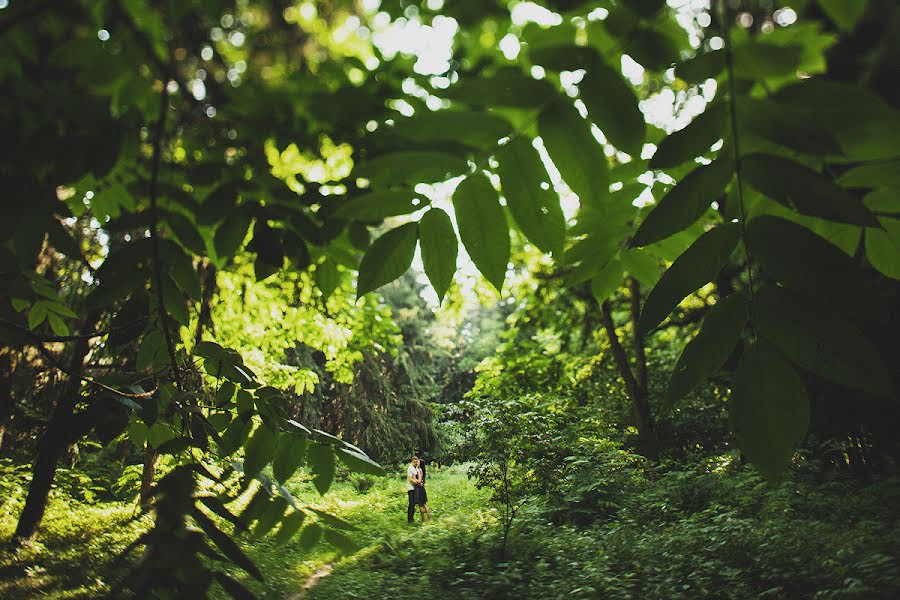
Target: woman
{"type": "Point", "coordinates": [421, 494]}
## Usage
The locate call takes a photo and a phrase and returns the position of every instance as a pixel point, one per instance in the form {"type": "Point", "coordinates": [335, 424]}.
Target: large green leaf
{"type": "Point", "coordinates": [613, 106]}
{"type": "Point", "coordinates": [439, 249]}
{"type": "Point", "coordinates": [508, 87]}
{"type": "Point", "coordinates": [535, 209]}
{"type": "Point", "coordinates": [692, 140]}
{"type": "Point", "coordinates": [710, 348]}
{"type": "Point", "coordinates": [793, 127]}
{"type": "Point", "coordinates": [259, 450]}
{"type": "Point", "coordinates": [387, 258]}
{"type": "Point", "coordinates": [701, 67]}
{"type": "Point", "coordinates": [288, 457]}
{"type": "Point", "coordinates": [411, 167]}
{"type": "Point", "coordinates": [290, 525]}
{"type": "Point", "coordinates": [575, 152]}
{"type": "Point", "coordinates": [762, 60]}
{"type": "Point", "coordinates": [231, 233]}
{"type": "Point", "coordinates": [686, 202]}
{"type": "Point", "coordinates": [801, 260]}
{"type": "Point", "coordinates": [769, 408]}
{"type": "Point", "coordinates": [227, 545]}
{"type": "Point", "coordinates": [374, 206]}
{"type": "Point", "coordinates": [482, 227]}
{"type": "Point", "coordinates": [476, 129]}
{"type": "Point", "coordinates": [883, 247]}
{"type": "Point", "coordinates": [607, 280]}
{"type": "Point", "coordinates": [186, 232]}
{"type": "Point", "coordinates": [820, 341]}
{"type": "Point", "coordinates": [321, 462]}
{"type": "Point", "coordinates": [801, 189]}
{"type": "Point", "coordinates": [358, 461]}
{"type": "Point", "coordinates": [180, 266]}
{"type": "Point", "coordinates": [845, 13]}
{"type": "Point", "coordinates": [698, 265]}
{"type": "Point", "coordinates": [872, 175]}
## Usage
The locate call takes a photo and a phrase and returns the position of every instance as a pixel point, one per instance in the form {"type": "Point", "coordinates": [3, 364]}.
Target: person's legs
{"type": "Point", "coordinates": [411, 509]}
{"type": "Point", "coordinates": [427, 510]}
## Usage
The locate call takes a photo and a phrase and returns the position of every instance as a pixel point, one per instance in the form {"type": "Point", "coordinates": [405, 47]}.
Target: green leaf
{"type": "Point", "coordinates": [215, 504]}
{"type": "Point", "coordinates": [174, 302]}
{"type": "Point", "coordinates": [288, 457]}
{"type": "Point", "coordinates": [482, 227]}
{"type": "Point", "coordinates": [477, 129]}
{"type": "Point", "coordinates": [152, 351]}
{"type": "Point", "coordinates": [61, 239]}
{"type": "Point", "coordinates": [439, 250]}
{"type": "Point", "coordinates": [651, 48]}
{"type": "Point", "coordinates": [37, 314]}
{"type": "Point", "coordinates": [803, 190]}
{"type": "Point", "coordinates": [225, 393]}
{"type": "Point", "coordinates": [871, 175]}
{"type": "Point", "coordinates": [290, 525]}
{"type": "Point", "coordinates": [185, 231]}
{"type": "Point", "coordinates": [57, 324]}
{"type": "Point", "coordinates": [845, 13]}
{"type": "Point", "coordinates": [535, 209]}
{"type": "Point", "coordinates": [231, 233]}
{"type": "Point", "coordinates": [181, 267]}
{"type": "Point", "coordinates": [693, 140]}
{"type": "Point", "coordinates": [710, 348]}
{"type": "Point", "coordinates": [387, 258]}
{"type": "Point", "coordinates": [375, 206]}
{"type": "Point", "coordinates": [761, 60]}
{"type": "Point", "coordinates": [227, 545]}
{"type": "Point", "coordinates": [259, 450]}
{"type": "Point", "coordinates": [686, 202]}
{"type": "Point", "coordinates": [607, 280]}
{"type": "Point", "coordinates": [327, 277]}
{"type": "Point", "coordinates": [769, 408]}
{"type": "Point", "coordinates": [266, 243]}
{"type": "Point", "coordinates": [801, 260]}
{"type": "Point", "coordinates": [793, 127]}
{"type": "Point", "coordinates": [575, 152]}
{"type": "Point", "coordinates": [642, 265]}
{"type": "Point", "coordinates": [359, 462]}
{"type": "Point", "coordinates": [820, 341]}
{"type": "Point", "coordinates": [701, 67]}
{"type": "Point", "coordinates": [270, 517]}
{"type": "Point", "coordinates": [613, 106]}
{"type": "Point", "coordinates": [883, 247]}
{"type": "Point", "coordinates": [411, 167]}
{"type": "Point", "coordinates": [310, 536]}
{"type": "Point", "coordinates": [508, 87]}
{"type": "Point", "coordinates": [699, 264]}
{"type": "Point", "coordinates": [321, 463]}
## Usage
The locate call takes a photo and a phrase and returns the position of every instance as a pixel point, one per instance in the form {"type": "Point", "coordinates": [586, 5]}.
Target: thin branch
{"type": "Point", "coordinates": [640, 358]}
{"type": "Point", "coordinates": [56, 363]}
{"type": "Point", "coordinates": [61, 338]}
{"type": "Point", "coordinates": [154, 233]}
{"type": "Point", "coordinates": [619, 355]}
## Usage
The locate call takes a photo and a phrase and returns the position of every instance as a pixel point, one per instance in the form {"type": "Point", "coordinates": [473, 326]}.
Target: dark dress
{"type": "Point", "coordinates": [421, 494]}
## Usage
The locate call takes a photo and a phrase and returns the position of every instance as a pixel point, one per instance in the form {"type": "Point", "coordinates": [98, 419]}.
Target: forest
{"type": "Point", "coordinates": [623, 274]}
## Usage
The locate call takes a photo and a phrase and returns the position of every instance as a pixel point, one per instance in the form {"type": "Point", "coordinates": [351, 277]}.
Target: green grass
{"type": "Point", "coordinates": [73, 558]}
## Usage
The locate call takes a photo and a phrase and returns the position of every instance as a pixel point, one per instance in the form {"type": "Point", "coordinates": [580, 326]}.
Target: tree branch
{"type": "Point", "coordinates": [56, 363]}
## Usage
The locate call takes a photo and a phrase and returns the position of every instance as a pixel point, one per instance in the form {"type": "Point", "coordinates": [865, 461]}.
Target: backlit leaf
{"type": "Point", "coordinates": [482, 227]}
{"type": "Point", "coordinates": [387, 258]}
{"type": "Point", "coordinates": [439, 249]}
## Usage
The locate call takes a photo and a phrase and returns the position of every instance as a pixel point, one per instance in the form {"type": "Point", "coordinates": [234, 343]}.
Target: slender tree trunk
{"type": "Point", "coordinates": [6, 397]}
{"type": "Point", "coordinates": [207, 272]}
{"type": "Point", "coordinates": [61, 432]}
{"type": "Point", "coordinates": [641, 401]}
{"type": "Point", "coordinates": [151, 457]}
{"type": "Point", "coordinates": [636, 392]}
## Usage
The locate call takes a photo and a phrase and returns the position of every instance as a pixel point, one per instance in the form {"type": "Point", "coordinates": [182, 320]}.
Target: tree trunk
{"type": "Point", "coordinates": [207, 273]}
{"type": "Point", "coordinates": [151, 457]}
{"type": "Point", "coordinates": [61, 432]}
{"type": "Point", "coordinates": [637, 393]}
{"type": "Point", "coordinates": [6, 397]}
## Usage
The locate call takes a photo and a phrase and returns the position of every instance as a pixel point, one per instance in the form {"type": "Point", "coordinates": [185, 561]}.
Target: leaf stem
{"type": "Point", "coordinates": [735, 148]}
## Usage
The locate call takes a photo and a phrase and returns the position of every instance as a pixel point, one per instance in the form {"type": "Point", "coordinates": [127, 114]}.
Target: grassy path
{"type": "Point", "coordinates": [379, 513]}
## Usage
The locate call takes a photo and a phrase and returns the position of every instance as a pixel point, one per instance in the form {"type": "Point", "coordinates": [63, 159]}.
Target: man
{"type": "Point", "coordinates": [412, 479]}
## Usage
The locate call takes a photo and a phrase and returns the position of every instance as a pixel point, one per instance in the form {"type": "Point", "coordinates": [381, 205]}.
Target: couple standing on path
{"type": "Point", "coordinates": [415, 489]}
